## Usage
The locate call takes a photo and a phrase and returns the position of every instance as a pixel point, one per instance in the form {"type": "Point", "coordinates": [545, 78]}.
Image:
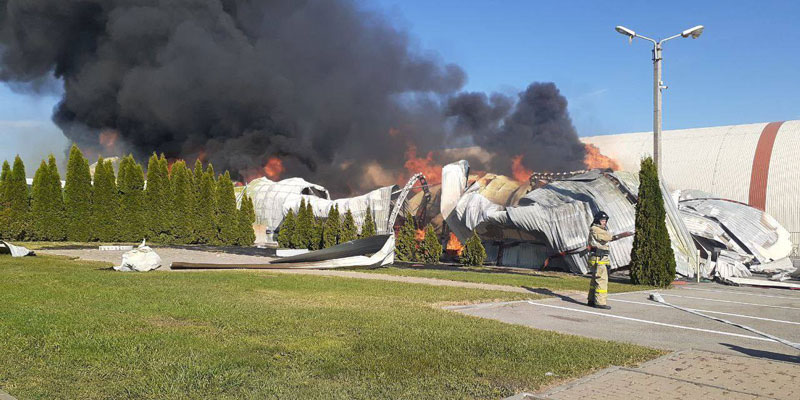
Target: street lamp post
{"type": "Point", "coordinates": [658, 84]}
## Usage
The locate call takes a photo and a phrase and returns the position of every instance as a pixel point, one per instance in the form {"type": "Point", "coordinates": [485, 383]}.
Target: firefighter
{"type": "Point", "coordinates": [599, 236]}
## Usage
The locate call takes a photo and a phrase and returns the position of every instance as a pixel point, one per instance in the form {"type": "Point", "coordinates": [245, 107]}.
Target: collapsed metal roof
{"type": "Point", "coordinates": [734, 237]}
{"type": "Point", "coordinates": [272, 201]}
{"type": "Point", "coordinates": [558, 216]}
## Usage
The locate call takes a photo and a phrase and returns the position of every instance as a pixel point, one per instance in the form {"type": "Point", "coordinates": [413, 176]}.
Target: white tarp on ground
{"type": "Point", "coordinates": [15, 251]}
{"type": "Point", "coordinates": [730, 230]}
{"type": "Point", "coordinates": [558, 215]}
{"type": "Point", "coordinates": [140, 259]}
{"type": "Point", "coordinates": [273, 200]}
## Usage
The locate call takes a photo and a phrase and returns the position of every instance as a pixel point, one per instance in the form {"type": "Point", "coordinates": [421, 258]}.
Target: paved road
{"type": "Point", "coordinates": [635, 319]}
{"type": "Point", "coordinates": [713, 360]}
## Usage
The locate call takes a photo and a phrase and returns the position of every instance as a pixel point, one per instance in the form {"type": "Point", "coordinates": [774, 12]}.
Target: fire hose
{"type": "Point", "coordinates": [658, 299]}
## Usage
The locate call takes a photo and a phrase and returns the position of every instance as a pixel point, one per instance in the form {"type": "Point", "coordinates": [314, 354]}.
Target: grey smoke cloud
{"type": "Point", "coordinates": [319, 84]}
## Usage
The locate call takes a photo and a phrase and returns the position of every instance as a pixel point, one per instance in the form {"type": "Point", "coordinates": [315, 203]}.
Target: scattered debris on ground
{"type": "Point", "coordinates": [140, 259]}
{"type": "Point", "coordinates": [15, 251]}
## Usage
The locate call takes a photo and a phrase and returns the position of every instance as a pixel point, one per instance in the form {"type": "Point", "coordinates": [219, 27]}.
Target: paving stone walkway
{"type": "Point", "coordinates": [688, 374]}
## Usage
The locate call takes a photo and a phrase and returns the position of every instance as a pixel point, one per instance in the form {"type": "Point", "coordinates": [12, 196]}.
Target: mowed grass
{"type": "Point", "coordinates": [69, 329]}
{"type": "Point", "coordinates": [528, 279]}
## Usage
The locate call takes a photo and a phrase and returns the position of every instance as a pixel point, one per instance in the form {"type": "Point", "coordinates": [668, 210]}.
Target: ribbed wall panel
{"type": "Point", "coordinates": [690, 157]}
{"type": "Point", "coordinates": [735, 162]}
{"type": "Point", "coordinates": [783, 184]}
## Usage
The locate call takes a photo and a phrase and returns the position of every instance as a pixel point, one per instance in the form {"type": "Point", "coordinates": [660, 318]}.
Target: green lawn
{"type": "Point", "coordinates": [529, 279]}
{"type": "Point", "coordinates": [70, 329]}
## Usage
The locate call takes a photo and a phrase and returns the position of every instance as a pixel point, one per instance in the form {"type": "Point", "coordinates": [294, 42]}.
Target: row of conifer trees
{"type": "Point", "coordinates": [177, 205]}
{"type": "Point", "coordinates": [305, 231]}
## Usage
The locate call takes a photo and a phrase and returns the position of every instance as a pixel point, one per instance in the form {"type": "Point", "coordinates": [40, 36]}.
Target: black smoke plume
{"type": "Point", "coordinates": [326, 86]}
{"type": "Point", "coordinates": [539, 128]}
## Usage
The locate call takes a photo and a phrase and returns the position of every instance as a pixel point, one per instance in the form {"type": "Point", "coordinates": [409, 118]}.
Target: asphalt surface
{"type": "Point", "coordinates": [636, 319]}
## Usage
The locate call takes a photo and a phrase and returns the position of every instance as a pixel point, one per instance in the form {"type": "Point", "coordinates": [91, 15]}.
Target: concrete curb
{"type": "Point", "coordinates": [6, 396]}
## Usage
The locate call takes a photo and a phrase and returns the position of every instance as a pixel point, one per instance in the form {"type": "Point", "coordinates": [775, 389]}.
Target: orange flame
{"type": "Point", "coordinates": [170, 162]}
{"type": "Point", "coordinates": [454, 245]}
{"type": "Point", "coordinates": [520, 173]}
{"type": "Point", "coordinates": [414, 164]}
{"type": "Point", "coordinates": [419, 235]}
{"type": "Point", "coordinates": [595, 159]}
{"type": "Point", "coordinates": [273, 168]}
{"type": "Point", "coordinates": [393, 132]}
{"type": "Point", "coordinates": [108, 139]}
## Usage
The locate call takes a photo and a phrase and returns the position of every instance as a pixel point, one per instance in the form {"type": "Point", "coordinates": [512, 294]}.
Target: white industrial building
{"type": "Point", "coordinates": [756, 164]}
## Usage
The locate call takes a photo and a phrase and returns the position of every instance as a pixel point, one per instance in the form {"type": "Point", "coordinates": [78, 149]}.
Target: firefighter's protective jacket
{"type": "Point", "coordinates": [599, 238]}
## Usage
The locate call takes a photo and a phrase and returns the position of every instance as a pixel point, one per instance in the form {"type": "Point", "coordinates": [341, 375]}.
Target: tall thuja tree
{"type": "Point", "coordinates": [6, 172]}
{"type": "Point", "coordinates": [183, 203]}
{"type": "Point", "coordinates": [330, 233]}
{"type": "Point", "coordinates": [227, 221]}
{"type": "Point", "coordinates": [197, 179]}
{"type": "Point", "coordinates": [368, 227]}
{"type": "Point", "coordinates": [105, 203]}
{"type": "Point", "coordinates": [317, 239]}
{"type": "Point", "coordinates": [406, 244]}
{"type": "Point", "coordinates": [152, 192]}
{"type": "Point", "coordinates": [77, 197]}
{"type": "Point", "coordinates": [206, 226]}
{"type": "Point", "coordinates": [303, 231]}
{"type": "Point", "coordinates": [130, 184]}
{"type": "Point", "coordinates": [40, 203]}
{"type": "Point", "coordinates": [55, 230]}
{"type": "Point", "coordinates": [17, 202]}
{"type": "Point", "coordinates": [652, 259]}
{"type": "Point", "coordinates": [167, 195]}
{"type": "Point", "coordinates": [156, 195]}
{"type": "Point", "coordinates": [349, 231]}
{"type": "Point", "coordinates": [47, 203]}
{"type": "Point", "coordinates": [246, 217]}
{"type": "Point", "coordinates": [286, 230]}
{"type": "Point", "coordinates": [430, 249]}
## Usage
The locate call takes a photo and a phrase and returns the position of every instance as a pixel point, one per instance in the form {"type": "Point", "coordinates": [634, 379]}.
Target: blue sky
{"type": "Point", "coordinates": [743, 69]}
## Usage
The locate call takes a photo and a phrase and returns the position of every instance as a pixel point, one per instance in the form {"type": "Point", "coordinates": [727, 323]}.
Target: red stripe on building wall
{"type": "Point", "coordinates": [760, 172]}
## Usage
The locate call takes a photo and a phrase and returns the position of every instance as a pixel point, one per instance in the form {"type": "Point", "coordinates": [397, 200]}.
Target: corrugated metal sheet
{"type": "Point", "coordinates": [745, 229]}
{"type": "Point", "coordinates": [524, 255]}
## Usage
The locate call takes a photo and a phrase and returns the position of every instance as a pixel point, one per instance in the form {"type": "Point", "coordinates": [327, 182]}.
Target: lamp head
{"type": "Point", "coordinates": [625, 31]}
{"type": "Point", "coordinates": [694, 32]}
